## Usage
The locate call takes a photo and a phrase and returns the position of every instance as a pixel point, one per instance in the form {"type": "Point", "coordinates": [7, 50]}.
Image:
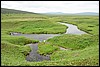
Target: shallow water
{"type": "Point", "coordinates": [72, 29]}
{"type": "Point", "coordinates": [40, 37]}
{"type": "Point", "coordinates": [33, 55]}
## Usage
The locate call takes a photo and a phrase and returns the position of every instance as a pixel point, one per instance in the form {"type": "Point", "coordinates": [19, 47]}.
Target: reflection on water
{"type": "Point", "coordinates": [40, 37]}
{"type": "Point", "coordinates": [72, 29]}
{"type": "Point", "coordinates": [33, 55]}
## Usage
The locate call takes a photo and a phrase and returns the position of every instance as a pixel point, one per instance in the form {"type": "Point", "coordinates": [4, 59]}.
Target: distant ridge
{"type": "Point", "coordinates": [5, 10]}
{"type": "Point", "coordinates": [88, 13]}
{"type": "Point", "coordinates": [54, 13]}
{"type": "Point", "coordinates": [83, 13]}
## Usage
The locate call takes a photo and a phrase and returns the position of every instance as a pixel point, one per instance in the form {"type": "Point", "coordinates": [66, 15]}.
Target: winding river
{"type": "Point", "coordinates": [72, 29]}
{"type": "Point", "coordinates": [33, 55]}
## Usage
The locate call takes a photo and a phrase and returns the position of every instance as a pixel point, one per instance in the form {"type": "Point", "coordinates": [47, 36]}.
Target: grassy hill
{"type": "Point", "coordinates": [5, 10]}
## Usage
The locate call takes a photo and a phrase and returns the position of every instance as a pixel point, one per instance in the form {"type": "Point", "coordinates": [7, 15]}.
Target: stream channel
{"type": "Point", "coordinates": [33, 55]}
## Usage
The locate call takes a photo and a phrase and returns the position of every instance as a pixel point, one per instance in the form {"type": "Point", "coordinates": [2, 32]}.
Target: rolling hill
{"type": "Point", "coordinates": [82, 13]}
{"type": "Point", "coordinates": [5, 10]}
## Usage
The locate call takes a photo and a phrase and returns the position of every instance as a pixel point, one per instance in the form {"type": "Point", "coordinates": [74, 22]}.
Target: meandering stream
{"type": "Point", "coordinates": [72, 29]}
{"type": "Point", "coordinates": [33, 55]}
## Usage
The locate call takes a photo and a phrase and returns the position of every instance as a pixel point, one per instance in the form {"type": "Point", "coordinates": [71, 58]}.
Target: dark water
{"type": "Point", "coordinates": [33, 55]}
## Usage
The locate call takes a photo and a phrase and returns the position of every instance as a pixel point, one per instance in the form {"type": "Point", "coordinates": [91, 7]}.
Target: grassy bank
{"type": "Point", "coordinates": [74, 41]}
{"type": "Point", "coordinates": [89, 24]}
{"type": "Point", "coordinates": [47, 48]}
{"type": "Point", "coordinates": [84, 48]}
{"type": "Point", "coordinates": [12, 54]}
{"type": "Point", "coordinates": [86, 57]}
{"type": "Point", "coordinates": [31, 25]}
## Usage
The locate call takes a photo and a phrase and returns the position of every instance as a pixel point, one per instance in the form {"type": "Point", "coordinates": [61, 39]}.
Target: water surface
{"type": "Point", "coordinates": [33, 55]}
{"type": "Point", "coordinates": [72, 29]}
{"type": "Point", "coordinates": [40, 37]}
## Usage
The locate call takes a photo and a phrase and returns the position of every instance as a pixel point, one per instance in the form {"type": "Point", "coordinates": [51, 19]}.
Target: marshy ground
{"type": "Point", "coordinates": [84, 49]}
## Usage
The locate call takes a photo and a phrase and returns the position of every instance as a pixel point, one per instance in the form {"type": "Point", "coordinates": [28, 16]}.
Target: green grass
{"type": "Point", "coordinates": [40, 26]}
{"type": "Point", "coordinates": [32, 25]}
{"type": "Point", "coordinates": [74, 41]}
{"type": "Point", "coordinates": [46, 48]}
{"type": "Point", "coordinates": [12, 54]}
{"type": "Point", "coordinates": [18, 40]}
{"type": "Point", "coordinates": [89, 24]}
{"type": "Point", "coordinates": [86, 57]}
{"type": "Point", "coordinates": [85, 47]}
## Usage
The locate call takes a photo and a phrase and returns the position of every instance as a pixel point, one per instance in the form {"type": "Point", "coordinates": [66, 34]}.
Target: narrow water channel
{"type": "Point", "coordinates": [72, 29]}
{"type": "Point", "coordinates": [33, 55]}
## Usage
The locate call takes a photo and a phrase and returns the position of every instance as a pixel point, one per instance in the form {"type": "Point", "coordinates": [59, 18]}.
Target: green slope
{"type": "Point", "coordinates": [10, 11]}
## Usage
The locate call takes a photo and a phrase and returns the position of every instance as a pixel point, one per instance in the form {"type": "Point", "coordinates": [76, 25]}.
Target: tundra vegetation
{"type": "Point", "coordinates": [83, 50]}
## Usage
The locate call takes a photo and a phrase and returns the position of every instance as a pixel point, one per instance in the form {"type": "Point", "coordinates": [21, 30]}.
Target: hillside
{"type": "Point", "coordinates": [5, 10]}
